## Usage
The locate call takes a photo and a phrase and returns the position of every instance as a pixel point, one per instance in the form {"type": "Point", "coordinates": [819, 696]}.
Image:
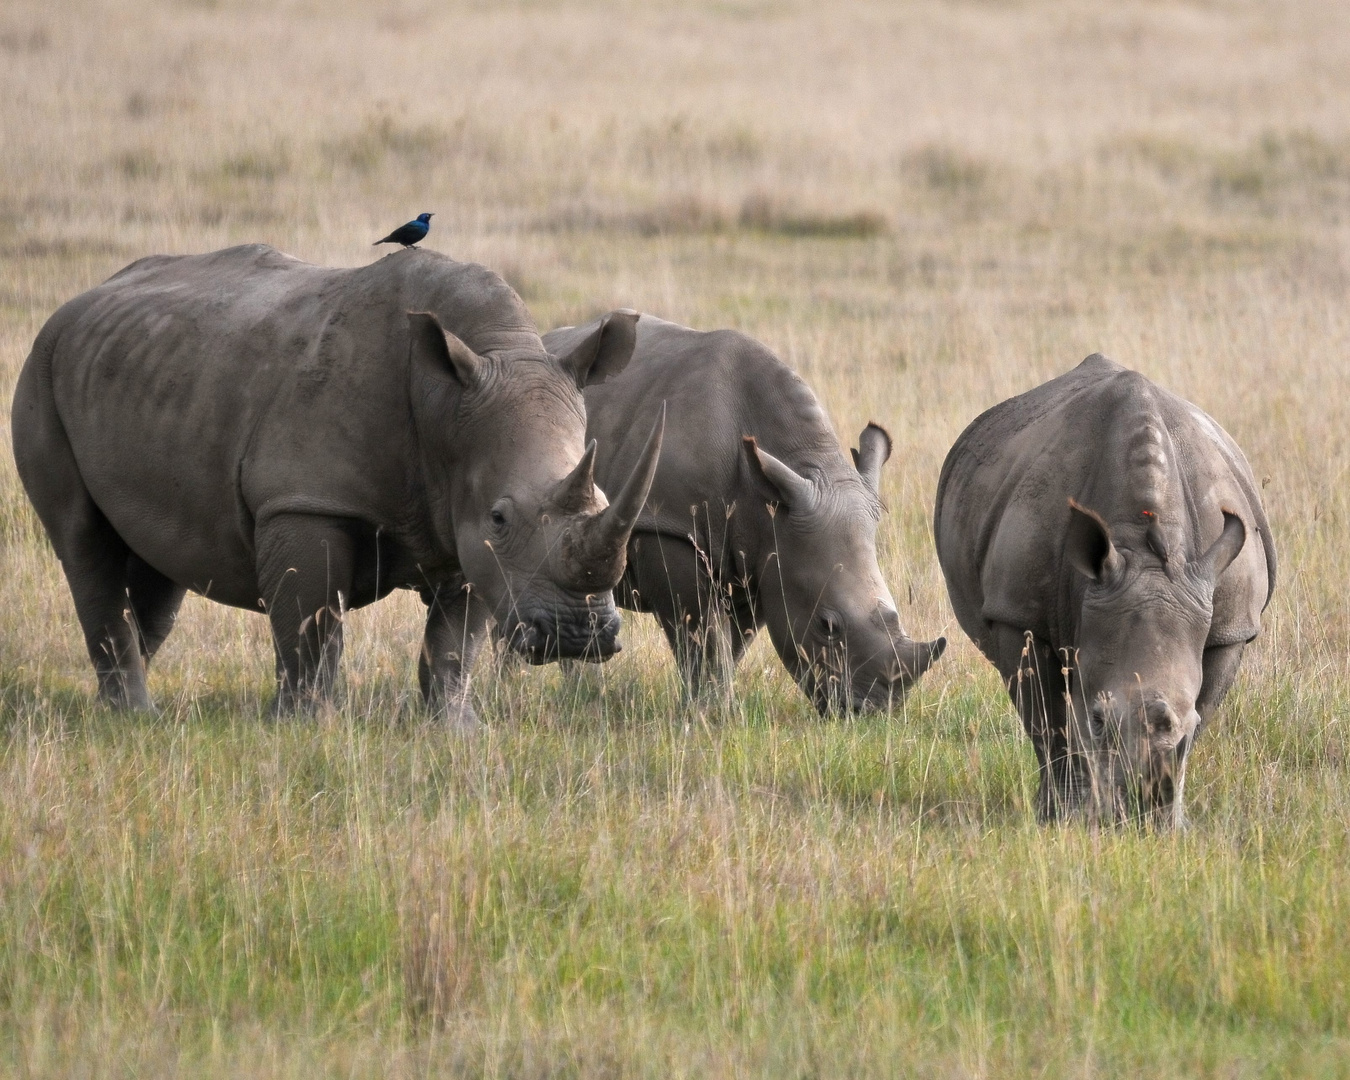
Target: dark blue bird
{"type": "Point", "coordinates": [408, 234]}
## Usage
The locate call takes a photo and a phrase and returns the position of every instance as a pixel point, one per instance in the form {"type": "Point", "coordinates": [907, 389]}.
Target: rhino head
{"type": "Point", "coordinates": [824, 601]}
{"type": "Point", "coordinates": [535, 538]}
{"type": "Point", "coordinates": [1144, 620]}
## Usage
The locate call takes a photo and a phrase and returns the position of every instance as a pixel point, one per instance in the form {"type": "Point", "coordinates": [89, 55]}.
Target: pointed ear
{"type": "Point", "coordinates": [874, 449]}
{"type": "Point", "coordinates": [605, 351]}
{"type": "Point", "coordinates": [1088, 546]}
{"type": "Point", "coordinates": [1224, 550]}
{"type": "Point", "coordinates": [440, 350]}
{"type": "Point", "coordinates": [791, 488]}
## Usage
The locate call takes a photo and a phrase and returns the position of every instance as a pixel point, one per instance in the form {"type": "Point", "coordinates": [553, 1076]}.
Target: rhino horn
{"type": "Point", "coordinates": [1223, 551]}
{"type": "Point", "coordinates": [605, 351]}
{"type": "Point", "coordinates": [1088, 546]}
{"type": "Point", "coordinates": [793, 489]}
{"type": "Point", "coordinates": [915, 657]}
{"type": "Point", "coordinates": [612, 527]}
{"type": "Point", "coordinates": [576, 489]}
{"type": "Point", "coordinates": [874, 449]}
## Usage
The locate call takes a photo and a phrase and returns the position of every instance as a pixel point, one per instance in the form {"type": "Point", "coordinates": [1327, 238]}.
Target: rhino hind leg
{"type": "Point", "coordinates": [1032, 673]}
{"type": "Point", "coordinates": [93, 555]}
{"type": "Point", "coordinates": [305, 569]}
{"type": "Point", "coordinates": [666, 577]}
{"type": "Point", "coordinates": [155, 601]}
{"type": "Point", "coordinates": [95, 561]}
{"type": "Point", "coordinates": [458, 626]}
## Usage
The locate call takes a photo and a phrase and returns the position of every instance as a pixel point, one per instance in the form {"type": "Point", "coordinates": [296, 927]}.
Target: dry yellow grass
{"type": "Point", "coordinates": [924, 208]}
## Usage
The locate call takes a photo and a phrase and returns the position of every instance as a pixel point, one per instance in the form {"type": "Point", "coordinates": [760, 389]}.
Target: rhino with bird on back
{"type": "Point", "coordinates": [1105, 546]}
{"type": "Point", "coordinates": [755, 517]}
{"type": "Point", "coordinates": [278, 435]}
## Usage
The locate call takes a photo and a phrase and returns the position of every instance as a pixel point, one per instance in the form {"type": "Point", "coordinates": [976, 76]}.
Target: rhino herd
{"type": "Point", "coordinates": [301, 441]}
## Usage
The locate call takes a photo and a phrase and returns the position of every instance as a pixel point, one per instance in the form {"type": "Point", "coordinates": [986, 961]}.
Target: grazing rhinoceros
{"type": "Point", "coordinates": [279, 435]}
{"type": "Point", "coordinates": [1105, 546]}
{"type": "Point", "coordinates": [755, 518]}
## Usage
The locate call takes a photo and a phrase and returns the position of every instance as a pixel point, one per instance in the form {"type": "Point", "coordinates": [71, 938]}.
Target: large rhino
{"type": "Point", "coordinates": [277, 435]}
{"type": "Point", "coordinates": [1105, 546]}
{"type": "Point", "coordinates": [755, 518]}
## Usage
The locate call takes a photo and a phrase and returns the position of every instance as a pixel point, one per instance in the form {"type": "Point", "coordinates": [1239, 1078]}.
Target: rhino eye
{"type": "Point", "coordinates": [498, 517]}
{"type": "Point", "coordinates": [1097, 721]}
{"type": "Point", "coordinates": [828, 626]}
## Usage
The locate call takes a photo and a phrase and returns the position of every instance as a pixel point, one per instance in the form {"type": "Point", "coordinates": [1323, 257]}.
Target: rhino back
{"type": "Point", "coordinates": [718, 386]}
{"type": "Point", "coordinates": [1118, 444]}
{"type": "Point", "coordinates": [199, 392]}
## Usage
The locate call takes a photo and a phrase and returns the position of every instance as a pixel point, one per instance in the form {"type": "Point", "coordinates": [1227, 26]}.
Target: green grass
{"type": "Point", "coordinates": [757, 891]}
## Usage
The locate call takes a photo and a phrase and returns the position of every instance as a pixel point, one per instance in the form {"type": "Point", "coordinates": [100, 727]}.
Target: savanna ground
{"type": "Point", "coordinates": [923, 208]}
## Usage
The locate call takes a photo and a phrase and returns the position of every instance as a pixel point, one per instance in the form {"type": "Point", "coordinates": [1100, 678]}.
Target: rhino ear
{"type": "Point", "coordinates": [605, 351]}
{"type": "Point", "coordinates": [430, 344]}
{"type": "Point", "coordinates": [1088, 544]}
{"type": "Point", "coordinates": [790, 487]}
{"type": "Point", "coordinates": [874, 450]}
{"type": "Point", "coordinates": [1224, 550]}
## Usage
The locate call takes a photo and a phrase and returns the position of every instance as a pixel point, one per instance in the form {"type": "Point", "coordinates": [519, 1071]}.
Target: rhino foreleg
{"type": "Point", "coordinates": [305, 569]}
{"type": "Point", "coordinates": [458, 624]}
{"type": "Point", "coordinates": [1032, 673]}
{"type": "Point", "coordinates": [667, 577]}
{"type": "Point", "coordinates": [1220, 669]}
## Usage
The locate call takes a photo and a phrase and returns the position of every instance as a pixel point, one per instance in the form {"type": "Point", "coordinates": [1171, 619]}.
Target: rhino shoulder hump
{"type": "Point", "coordinates": [1099, 363]}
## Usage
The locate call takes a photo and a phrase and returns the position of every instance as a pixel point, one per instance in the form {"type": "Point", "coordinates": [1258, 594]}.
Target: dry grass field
{"type": "Point", "coordinates": [923, 207]}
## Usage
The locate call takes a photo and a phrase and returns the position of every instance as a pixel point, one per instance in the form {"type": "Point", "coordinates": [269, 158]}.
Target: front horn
{"type": "Point", "coordinates": [913, 658]}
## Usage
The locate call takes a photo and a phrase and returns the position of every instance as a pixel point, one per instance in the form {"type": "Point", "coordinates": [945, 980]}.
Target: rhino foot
{"type": "Point", "coordinates": [453, 708]}
{"type": "Point", "coordinates": [289, 702]}
{"type": "Point", "coordinates": [460, 719]}
{"type": "Point", "coordinates": [130, 703]}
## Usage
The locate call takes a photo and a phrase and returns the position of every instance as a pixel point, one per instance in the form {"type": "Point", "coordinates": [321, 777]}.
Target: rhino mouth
{"type": "Point", "coordinates": [544, 636]}
{"type": "Point", "coordinates": [832, 694]}
{"type": "Point", "coordinates": [832, 688]}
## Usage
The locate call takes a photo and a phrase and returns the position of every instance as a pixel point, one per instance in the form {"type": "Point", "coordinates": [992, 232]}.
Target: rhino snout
{"type": "Point", "coordinates": [876, 685]}
{"type": "Point", "coordinates": [1140, 752]}
{"type": "Point", "coordinates": [588, 631]}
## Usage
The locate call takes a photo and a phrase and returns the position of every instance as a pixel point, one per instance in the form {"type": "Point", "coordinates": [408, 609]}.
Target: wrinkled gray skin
{"type": "Point", "coordinates": [277, 435]}
{"type": "Point", "coordinates": [756, 517]}
{"type": "Point", "coordinates": [1105, 546]}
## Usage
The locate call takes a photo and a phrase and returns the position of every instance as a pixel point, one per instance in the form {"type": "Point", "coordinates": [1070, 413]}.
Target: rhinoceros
{"type": "Point", "coordinates": [755, 518]}
{"type": "Point", "coordinates": [277, 435]}
{"type": "Point", "coordinates": [1105, 546]}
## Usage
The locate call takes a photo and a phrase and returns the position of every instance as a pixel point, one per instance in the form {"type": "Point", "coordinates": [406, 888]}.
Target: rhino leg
{"type": "Point", "coordinates": [155, 601]}
{"type": "Point", "coordinates": [95, 561]}
{"type": "Point", "coordinates": [1032, 673]}
{"type": "Point", "coordinates": [1220, 669]}
{"type": "Point", "coordinates": [666, 577]}
{"type": "Point", "coordinates": [93, 556]}
{"type": "Point", "coordinates": [305, 570]}
{"type": "Point", "coordinates": [458, 625]}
